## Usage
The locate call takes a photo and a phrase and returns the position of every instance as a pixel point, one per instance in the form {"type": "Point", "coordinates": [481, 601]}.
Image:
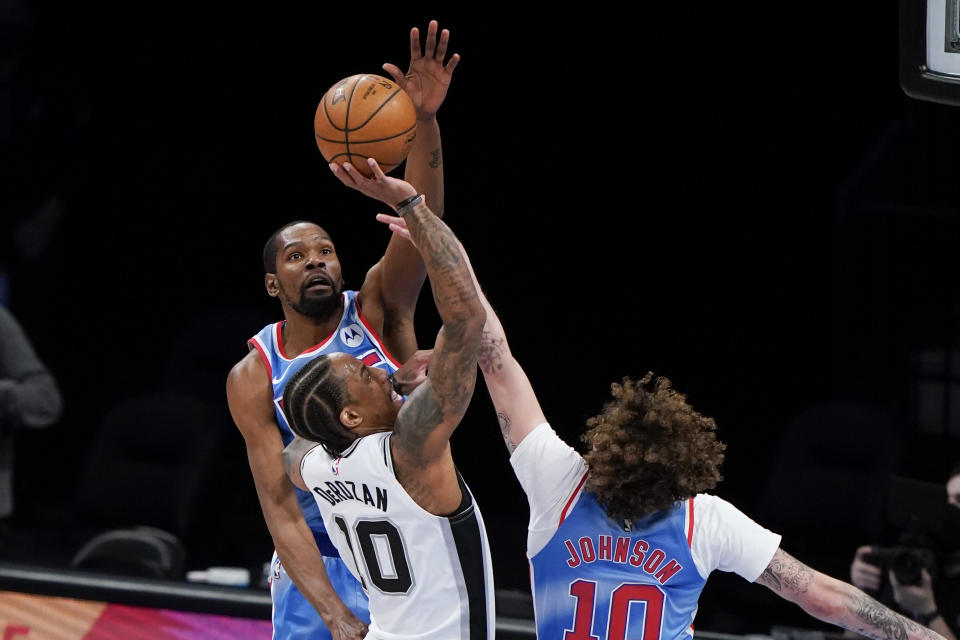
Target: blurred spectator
{"type": "Point", "coordinates": [933, 599]}
{"type": "Point", "coordinates": [29, 398]}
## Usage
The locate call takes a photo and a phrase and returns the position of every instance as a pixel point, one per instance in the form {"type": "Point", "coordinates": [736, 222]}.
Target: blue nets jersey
{"type": "Point", "coordinates": [353, 335]}
{"type": "Point", "coordinates": [597, 579]}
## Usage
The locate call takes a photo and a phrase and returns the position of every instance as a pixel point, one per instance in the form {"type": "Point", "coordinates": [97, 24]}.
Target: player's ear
{"type": "Point", "coordinates": [272, 285]}
{"type": "Point", "coordinates": [350, 418]}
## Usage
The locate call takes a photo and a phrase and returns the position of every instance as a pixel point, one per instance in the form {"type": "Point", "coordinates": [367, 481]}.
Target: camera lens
{"type": "Point", "coordinates": [906, 567]}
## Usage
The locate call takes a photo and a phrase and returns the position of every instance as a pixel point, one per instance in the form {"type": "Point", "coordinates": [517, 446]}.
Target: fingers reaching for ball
{"type": "Point", "coordinates": [397, 224]}
{"type": "Point", "coordinates": [378, 186]}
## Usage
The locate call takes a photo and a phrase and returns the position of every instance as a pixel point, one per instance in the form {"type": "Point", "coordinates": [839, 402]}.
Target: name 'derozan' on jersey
{"type": "Point", "coordinates": [339, 491]}
{"type": "Point", "coordinates": [620, 552]}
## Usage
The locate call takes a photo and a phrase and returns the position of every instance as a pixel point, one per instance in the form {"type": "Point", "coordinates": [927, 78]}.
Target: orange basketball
{"type": "Point", "coordinates": [366, 116]}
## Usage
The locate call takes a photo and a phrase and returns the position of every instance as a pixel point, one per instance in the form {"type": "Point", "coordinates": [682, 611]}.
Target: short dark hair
{"type": "Point", "coordinates": [270, 248]}
{"type": "Point", "coordinates": [649, 449]}
{"type": "Point", "coordinates": [312, 402]}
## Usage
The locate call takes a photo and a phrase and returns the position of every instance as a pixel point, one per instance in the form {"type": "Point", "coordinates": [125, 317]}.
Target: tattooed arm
{"type": "Point", "coordinates": [421, 440]}
{"type": "Point", "coordinates": [518, 410]}
{"type": "Point", "coordinates": [837, 602]}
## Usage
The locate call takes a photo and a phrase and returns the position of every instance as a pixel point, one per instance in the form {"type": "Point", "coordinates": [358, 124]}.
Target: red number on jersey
{"type": "Point", "coordinates": [585, 593]}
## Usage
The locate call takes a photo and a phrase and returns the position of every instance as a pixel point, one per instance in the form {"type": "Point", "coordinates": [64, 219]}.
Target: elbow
{"type": "Point", "coordinates": [827, 599]}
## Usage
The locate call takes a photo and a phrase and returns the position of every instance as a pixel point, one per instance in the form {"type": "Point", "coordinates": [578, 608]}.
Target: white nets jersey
{"type": "Point", "coordinates": [427, 576]}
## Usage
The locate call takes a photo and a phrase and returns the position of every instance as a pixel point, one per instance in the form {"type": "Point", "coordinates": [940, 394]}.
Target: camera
{"type": "Point", "coordinates": [906, 563]}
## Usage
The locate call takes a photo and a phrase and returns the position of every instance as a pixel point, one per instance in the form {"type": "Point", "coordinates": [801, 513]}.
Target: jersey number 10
{"type": "Point", "coordinates": [585, 593]}
{"type": "Point", "coordinates": [397, 578]}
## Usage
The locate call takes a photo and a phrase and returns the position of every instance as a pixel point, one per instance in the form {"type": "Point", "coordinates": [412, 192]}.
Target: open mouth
{"type": "Point", "coordinates": [317, 283]}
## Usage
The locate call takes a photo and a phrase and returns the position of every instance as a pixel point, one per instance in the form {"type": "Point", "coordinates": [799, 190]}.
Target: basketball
{"type": "Point", "coordinates": [366, 116]}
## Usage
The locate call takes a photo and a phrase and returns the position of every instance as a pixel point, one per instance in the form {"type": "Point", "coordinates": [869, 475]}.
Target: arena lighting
{"type": "Point", "coordinates": [930, 50]}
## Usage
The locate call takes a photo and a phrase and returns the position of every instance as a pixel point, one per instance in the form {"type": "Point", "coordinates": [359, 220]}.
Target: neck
{"type": "Point", "coordinates": [301, 332]}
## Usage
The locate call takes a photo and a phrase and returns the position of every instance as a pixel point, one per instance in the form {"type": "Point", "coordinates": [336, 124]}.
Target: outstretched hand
{"type": "Point", "coordinates": [428, 78]}
{"type": "Point", "coordinates": [379, 186]}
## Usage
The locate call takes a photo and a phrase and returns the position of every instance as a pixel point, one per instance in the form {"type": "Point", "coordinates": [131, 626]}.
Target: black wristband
{"type": "Point", "coordinates": [926, 618]}
{"type": "Point", "coordinates": [408, 203]}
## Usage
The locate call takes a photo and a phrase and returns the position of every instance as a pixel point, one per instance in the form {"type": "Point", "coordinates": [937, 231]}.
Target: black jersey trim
{"type": "Point", "coordinates": [468, 539]}
{"type": "Point", "coordinates": [353, 446]}
{"type": "Point", "coordinates": [388, 455]}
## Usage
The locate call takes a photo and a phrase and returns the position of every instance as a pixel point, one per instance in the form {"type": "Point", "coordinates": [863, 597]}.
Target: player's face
{"type": "Point", "coordinates": [370, 394]}
{"type": "Point", "coordinates": [309, 277]}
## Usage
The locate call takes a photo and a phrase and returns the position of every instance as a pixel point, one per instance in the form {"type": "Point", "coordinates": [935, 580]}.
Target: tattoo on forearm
{"type": "Point", "coordinates": [504, 420]}
{"type": "Point", "coordinates": [785, 571]}
{"type": "Point", "coordinates": [449, 278]}
{"type": "Point", "coordinates": [453, 368]}
{"type": "Point", "coordinates": [883, 624]}
{"type": "Point", "coordinates": [492, 351]}
{"type": "Point", "coordinates": [434, 158]}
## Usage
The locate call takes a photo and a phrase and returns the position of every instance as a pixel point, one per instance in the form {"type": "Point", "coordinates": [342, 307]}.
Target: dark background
{"type": "Point", "coordinates": [741, 199]}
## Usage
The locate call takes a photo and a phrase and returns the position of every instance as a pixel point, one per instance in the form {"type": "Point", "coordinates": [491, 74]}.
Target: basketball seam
{"type": "Point", "coordinates": [377, 110]}
{"type": "Point", "coordinates": [396, 135]}
{"type": "Point", "coordinates": [346, 119]}
{"type": "Point", "coordinates": [326, 111]}
{"type": "Point", "coordinates": [346, 125]}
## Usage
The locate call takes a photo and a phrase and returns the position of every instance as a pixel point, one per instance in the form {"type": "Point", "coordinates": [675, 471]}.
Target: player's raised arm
{"type": "Point", "coordinates": [393, 284]}
{"type": "Point", "coordinates": [434, 409]}
{"type": "Point", "coordinates": [516, 404]}
{"type": "Point", "coordinates": [837, 602]}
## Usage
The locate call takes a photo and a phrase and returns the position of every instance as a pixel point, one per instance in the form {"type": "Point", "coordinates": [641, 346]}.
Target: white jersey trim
{"type": "Point", "coordinates": [552, 475]}
{"type": "Point", "coordinates": [720, 536]}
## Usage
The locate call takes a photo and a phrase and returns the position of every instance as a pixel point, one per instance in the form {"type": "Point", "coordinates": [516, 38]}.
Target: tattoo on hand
{"type": "Point", "coordinates": [504, 420]}
{"type": "Point", "coordinates": [434, 159]}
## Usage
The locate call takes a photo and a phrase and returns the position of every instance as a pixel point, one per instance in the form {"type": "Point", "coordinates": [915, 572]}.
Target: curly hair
{"type": "Point", "coordinates": [649, 448]}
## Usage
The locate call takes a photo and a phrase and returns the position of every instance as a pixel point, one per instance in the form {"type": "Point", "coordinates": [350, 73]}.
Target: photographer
{"type": "Point", "coordinates": [912, 577]}
{"type": "Point", "coordinates": [916, 600]}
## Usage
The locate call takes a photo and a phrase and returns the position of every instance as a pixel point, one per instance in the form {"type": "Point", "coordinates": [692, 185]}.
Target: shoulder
{"type": "Point", "coordinates": [250, 370]}
{"type": "Point", "coordinates": [249, 393]}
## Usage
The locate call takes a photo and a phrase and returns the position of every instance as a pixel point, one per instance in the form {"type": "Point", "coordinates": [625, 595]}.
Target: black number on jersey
{"type": "Point", "coordinates": [342, 524]}
{"type": "Point", "coordinates": [397, 579]}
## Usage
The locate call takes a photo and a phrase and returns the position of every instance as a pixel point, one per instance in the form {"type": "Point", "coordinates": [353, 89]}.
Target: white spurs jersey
{"type": "Point", "coordinates": [428, 577]}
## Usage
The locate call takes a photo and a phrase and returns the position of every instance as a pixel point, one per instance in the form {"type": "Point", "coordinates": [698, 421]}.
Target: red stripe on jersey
{"type": "Point", "coordinates": [377, 339]}
{"type": "Point", "coordinates": [690, 525]}
{"type": "Point", "coordinates": [319, 345]}
{"type": "Point", "coordinates": [371, 359]}
{"type": "Point", "coordinates": [563, 515]}
{"type": "Point", "coordinates": [253, 343]}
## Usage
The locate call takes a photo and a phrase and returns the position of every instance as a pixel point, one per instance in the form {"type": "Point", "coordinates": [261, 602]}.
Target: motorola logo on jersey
{"type": "Point", "coordinates": [351, 335]}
